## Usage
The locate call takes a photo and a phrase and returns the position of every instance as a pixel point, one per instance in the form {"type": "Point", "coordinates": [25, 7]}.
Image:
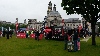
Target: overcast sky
{"type": "Point", "coordinates": [29, 9]}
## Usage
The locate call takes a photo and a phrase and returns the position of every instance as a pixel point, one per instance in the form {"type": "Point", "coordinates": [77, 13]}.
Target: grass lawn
{"type": "Point", "coordinates": [30, 47]}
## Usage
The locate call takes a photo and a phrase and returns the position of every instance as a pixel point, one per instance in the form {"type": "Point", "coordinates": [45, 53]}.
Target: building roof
{"type": "Point", "coordinates": [74, 20]}
{"type": "Point", "coordinates": [39, 23]}
{"type": "Point", "coordinates": [54, 13]}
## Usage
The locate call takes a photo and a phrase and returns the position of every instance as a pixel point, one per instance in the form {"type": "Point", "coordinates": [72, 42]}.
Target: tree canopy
{"type": "Point", "coordinates": [89, 9]}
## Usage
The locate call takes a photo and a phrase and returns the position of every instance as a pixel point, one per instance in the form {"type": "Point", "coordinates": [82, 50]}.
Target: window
{"type": "Point", "coordinates": [68, 24]}
{"type": "Point", "coordinates": [73, 24]}
{"type": "Point", "coordinates": [38, 27]}
{"type": "Point", "coordinates": [65, 24]}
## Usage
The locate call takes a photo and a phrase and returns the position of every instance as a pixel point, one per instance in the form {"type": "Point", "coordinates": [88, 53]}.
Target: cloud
{"type": "Point", "coordinates": [28, 9]}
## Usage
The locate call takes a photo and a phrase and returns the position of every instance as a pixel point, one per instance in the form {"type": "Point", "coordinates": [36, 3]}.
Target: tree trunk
{"type": "Point", "coordinates": [93, 33]}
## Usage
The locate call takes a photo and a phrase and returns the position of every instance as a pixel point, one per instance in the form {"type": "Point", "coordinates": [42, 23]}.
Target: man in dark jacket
{"type": "Point", "coordinates": [37, 35]}
{"type": "Point", "coordinates": [7, 33]}
{"type": "Point", "coordinates": [65, 40]}
{"type": "Point", "coordinates": [75, 39]}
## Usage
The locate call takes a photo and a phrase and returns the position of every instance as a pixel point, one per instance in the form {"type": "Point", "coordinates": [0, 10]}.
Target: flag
{"type": "Point", "coordinates": [79, 27]}
{"type": "Point", "coordinates": [16, 26]}
{"type": "Point", "coordinates": [63, 22]}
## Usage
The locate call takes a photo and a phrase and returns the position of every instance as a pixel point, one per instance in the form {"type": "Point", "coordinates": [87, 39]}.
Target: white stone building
{"type": "Point", "coordinates": [54, 18]}
{"type": "Point", "coordinates": [32, 23]}
{"type": "Point", "coordinates": [72, 22]}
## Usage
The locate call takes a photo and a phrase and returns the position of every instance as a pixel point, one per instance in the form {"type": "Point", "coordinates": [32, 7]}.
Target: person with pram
{"type": "Point", "coordinates": [72, 40]}
{"type": "Point", "coordinates": [65, 40]}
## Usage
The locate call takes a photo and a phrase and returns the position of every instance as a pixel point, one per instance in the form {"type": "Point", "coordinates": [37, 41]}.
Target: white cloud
{"type": "Point", "coordinates": [28, 9]}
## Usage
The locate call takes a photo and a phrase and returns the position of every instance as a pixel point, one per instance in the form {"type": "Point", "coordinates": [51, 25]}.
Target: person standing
{"type": "Point", "coordinates": [38, 34]}
{"type": "Point", "coordinates": [27, 34]}
{"type": "Point", "coordinates": [11, 32]}
{"type": "Point", "coordinates": [65, 40]}
{"type": "Point", "coordinates": [35, 32]}
{"type": "Point", "coordinates": [7, 33]}
{"type": "Point", "coordinates": [75, 32]}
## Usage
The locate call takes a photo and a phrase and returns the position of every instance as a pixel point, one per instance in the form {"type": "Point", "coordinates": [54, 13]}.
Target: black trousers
{"type": "Point", "coordinates": [37, 38]}
{"type": "Point", "coordinates": [3, 35]}
{"type": "Point", "coordinates": [7, 36]}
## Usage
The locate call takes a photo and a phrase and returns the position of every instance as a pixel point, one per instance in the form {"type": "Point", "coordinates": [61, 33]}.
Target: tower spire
{"type": "Point", "coordinates": [54, 8]}
{"type": "Point", "coordinates": [49, 7]}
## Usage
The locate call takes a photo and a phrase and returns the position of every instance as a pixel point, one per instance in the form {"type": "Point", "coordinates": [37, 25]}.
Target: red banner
{"type": "Point", "coordinates": [41, 36]}
{"type": "Point", "coordinates": [33, 36]}
{"type": "Point", "coordinates": [79, 27]}
{"type": "Point", "coordinates": [16, 26]}
{"type": "Point", "coordinates": [21, 35]}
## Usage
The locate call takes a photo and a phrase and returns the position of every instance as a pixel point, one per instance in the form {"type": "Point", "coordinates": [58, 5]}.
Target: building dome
{"type": "Point", "coordinates": [54, 13]}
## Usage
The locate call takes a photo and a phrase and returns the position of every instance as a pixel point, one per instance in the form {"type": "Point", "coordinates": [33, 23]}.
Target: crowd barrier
{"type": "Point", "coordinates": [32, 35]}
{"type": "Point", "coordinates": [21, 35]}
{"type": "Point", "coordinates": [41, 36]}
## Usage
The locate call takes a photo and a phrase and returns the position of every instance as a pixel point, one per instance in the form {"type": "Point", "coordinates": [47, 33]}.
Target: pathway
{"type": "Point", "coordinates": [86, 39]}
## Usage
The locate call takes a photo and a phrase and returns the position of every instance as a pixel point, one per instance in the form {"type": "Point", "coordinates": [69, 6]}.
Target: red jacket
{"type": "Point", "coordinates": [0, 32]}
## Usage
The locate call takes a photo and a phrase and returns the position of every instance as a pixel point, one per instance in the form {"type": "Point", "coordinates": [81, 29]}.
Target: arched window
{"type": "Point", "coordinates": [68, 24]}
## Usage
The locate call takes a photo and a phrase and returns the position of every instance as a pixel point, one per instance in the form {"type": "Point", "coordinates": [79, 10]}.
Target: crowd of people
{"type": "Point", "coordinates": [6, 33]}
{"type": "Point", "coordinates": [73, 33]}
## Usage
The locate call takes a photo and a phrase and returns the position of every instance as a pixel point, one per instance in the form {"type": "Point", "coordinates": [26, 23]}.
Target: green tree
{"type": "Point", "coordinates": [12, 26]}
{"type": "Point", "coordinates": [22, 26]}
{"type": "Point", "coordinates": [89, 9]}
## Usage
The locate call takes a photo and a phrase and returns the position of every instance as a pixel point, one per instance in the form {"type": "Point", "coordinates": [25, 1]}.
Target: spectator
{"type": "Point", "coordinates": [75, 38]}
{"type": "Point", "coordinates": [37, 35]}
{"type": "Point", "coordinates": [7, 33]}
{"type": "Point", "coordinates": [65, 40]}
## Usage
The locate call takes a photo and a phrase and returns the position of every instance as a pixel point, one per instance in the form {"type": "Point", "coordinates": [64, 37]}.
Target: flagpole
{"type": "Point", "coordinates": [16, 25]}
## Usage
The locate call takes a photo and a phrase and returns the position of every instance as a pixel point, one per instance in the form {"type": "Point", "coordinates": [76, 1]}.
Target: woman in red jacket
{"type": "Point", "coordinates": [0, 33]}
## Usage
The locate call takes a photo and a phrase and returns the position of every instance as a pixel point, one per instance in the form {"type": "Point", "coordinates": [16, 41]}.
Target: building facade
{"type": "Point", "coordinates": [53, 17]}
{"type": "Point", "coordinates": [32, 23]}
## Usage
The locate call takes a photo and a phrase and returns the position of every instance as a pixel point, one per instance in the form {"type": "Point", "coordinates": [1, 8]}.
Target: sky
{"type": "Point", "coordinates": [29, 9]}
